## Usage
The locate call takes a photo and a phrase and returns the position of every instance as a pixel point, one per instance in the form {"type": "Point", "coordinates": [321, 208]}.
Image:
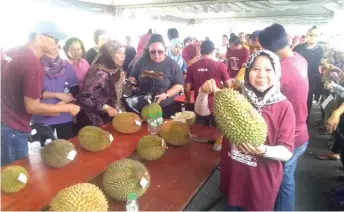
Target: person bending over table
{"type": "Point", "coordinates": [251, 176]}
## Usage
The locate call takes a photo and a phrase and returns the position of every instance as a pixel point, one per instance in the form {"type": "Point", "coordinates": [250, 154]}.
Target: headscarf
{"type": "Point", "coordinates": [53, 67]}
{"type": "Point", "coordinates": [142, 42]}
{"type": "Point", "coordinates": [111, 46]}
{"type": "Point", "coordinates": [273, 94]}
{"type": "Point", "coordinates": [169, 52]}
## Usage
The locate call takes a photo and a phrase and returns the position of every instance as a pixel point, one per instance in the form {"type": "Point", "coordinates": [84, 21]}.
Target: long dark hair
{"type": "Point", "coordinates": [105, 58]}
{"type": "Point", "coordinates": [153, 39]}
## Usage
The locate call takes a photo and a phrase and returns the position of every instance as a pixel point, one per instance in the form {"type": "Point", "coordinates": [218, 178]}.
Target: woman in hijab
{"type": "Point", "coordinates": [58, 73]}
{"type": "Point", "coordinates": [100, 97]}
{"type": "Point", "coordinates": [251, 176]}
{"type": "Point", "coordinates": [175, 53]}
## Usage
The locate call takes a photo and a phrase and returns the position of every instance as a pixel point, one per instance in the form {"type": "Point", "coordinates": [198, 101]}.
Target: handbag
{"type": "Point", "coordinates": [141, 96]}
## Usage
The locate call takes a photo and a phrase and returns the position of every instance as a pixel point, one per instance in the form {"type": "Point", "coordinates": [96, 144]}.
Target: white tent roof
{"type": "Point", "coordinates": [304, 12]}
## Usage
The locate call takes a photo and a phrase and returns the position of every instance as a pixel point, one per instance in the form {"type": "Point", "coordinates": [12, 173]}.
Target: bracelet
{"type": "Point", "coordinates": [263, 153]}
{"type": "Point", "coordinates": [105, 107]}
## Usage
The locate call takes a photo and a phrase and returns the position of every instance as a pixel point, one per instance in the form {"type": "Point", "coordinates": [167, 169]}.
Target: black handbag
{"type": "Point", "coordinates": [141, 96]}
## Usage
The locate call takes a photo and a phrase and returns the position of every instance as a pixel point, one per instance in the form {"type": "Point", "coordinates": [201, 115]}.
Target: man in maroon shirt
{"type": "Point", "coordinates": [294, 85]}
{"type": "Point", "coordinates": [21, 89]}
{"type": "Point", "coordinates": [201, 71]}
{"type": "Point", "coordinates": [236, 57]}
{"type": "Point", "coordinates": [191, 53]}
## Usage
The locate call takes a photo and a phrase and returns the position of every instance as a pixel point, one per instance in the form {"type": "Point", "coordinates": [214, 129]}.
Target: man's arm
{"type": "Point", "coordinates": [35, 107]}
{"type": "Point", "coordinates": [187, 91]}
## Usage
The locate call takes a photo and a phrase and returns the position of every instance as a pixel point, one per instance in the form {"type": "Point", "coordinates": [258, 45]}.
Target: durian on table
{"type": "Point", "coordinates": [94, 139]}
{"type": "Point", "coordinates": [56, 153]}
{"type": "Point", "coordinates": [237, 119]}
{"type": "Point", "coordinates": [150, 109]}
{"type": "Point", "coordinates": [13, 178]}
{"type": "Point", "coordinates": [125, 176]}
{"type": "Point", "coordinates": [151, 147]}
{"type": "Point", "coordinates": [127, 123]}
{"type": "Point", "coordinates": [79, 197]}
{"type": "Point", "coordinates": [176, 133]}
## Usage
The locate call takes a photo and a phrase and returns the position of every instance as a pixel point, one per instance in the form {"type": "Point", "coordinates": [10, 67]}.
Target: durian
{"type": "Point", "coordinates": [125, 176]}
{"type": "Point", "coordinates": [79, 197]}
{"type": "Point", "coordinates": [175, 132]}
{"type": "Point", "coordinates": [94, 139]}
{"type": "Point", "coordinates": [151, 147]}
{"type": "Point", "coordinates": [188, 116]}
{"type": "Point", "coordinates": [127, 123]}
{"type": "Point", "coordinates": [153, 109]}
{"type": "Point", "coordinates": [238, 120]}
{"type": "Point", "coordinates": [13, 179]}
{"type": "Point", "coordinates": [58, 153]}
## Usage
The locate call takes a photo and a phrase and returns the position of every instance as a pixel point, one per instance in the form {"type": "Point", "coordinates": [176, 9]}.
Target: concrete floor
{"type": "Point", "coordinates": [314, 179]}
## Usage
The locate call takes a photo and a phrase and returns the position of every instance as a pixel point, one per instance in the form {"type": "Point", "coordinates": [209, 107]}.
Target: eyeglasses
{"type": "Point", "coordinates": [52, 37]}
{"type": "Point", "coordinates": [154, 52]}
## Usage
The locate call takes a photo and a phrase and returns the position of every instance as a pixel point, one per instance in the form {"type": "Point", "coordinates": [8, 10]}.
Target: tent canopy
{"type": "Point", "coordinates": [303, 12]}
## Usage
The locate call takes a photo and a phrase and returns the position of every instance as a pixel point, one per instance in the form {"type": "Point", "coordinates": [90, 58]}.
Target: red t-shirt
{"type": "Point", "coordinates": [294, 85]}
{"type": "Point", "coordinates": [203, 70]}
{"type": "Point", "coordinates": [253, 182]}
{"type": "Point", "coordinates": [189, 52]}
{"type": "Point", "coordinates": [236, 57]}
{"type": "Point", "coordinates": [22, 75]}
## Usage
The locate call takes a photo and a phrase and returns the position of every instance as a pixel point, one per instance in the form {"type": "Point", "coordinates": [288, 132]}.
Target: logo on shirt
{"type": "Point", "coordinates": [235, 154]}
{"type": "Point", "coordinates": [234, 63]}
{"type": "Point", "coordinates": [202, 70]}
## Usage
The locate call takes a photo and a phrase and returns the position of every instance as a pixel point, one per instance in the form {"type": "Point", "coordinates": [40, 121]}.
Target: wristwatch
{"type": "Point", "coordinates": [166, 94]}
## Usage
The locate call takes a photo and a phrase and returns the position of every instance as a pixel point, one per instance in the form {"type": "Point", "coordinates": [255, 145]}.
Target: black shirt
{"type": "Point", "coordinates": [90, 55]}
{"type": "Point", "coordinates": [172, 75]}
{"type": "Point", "coordinates": [130, 54]}
{"type": "Point", "coordinates": [313, 57]}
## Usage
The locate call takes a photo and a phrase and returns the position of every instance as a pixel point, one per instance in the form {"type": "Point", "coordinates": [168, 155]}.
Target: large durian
{"type": "Point", "coordinates": [58, 153]}
{"type": "Point", "coordinates": [238, 120]}
{"type": "Point", "coordinates": [127, 123]}
{"type": "Point", "coordinates": [94, 139]}
{"type": "Point", "coordinates": [79, 197]}
{"type": "Point", "coordinates": [175, 132]}
{"type": "Point", "coordinates": [188, 116]}
{"type": "Point", "coordinates": [13, 179]}
{"type": "Point", "coordinates": [125, 176]}
{"type": "Point", "coordinates": [150, 109]}
{"type": "Point", "coordinates": [151, 147]}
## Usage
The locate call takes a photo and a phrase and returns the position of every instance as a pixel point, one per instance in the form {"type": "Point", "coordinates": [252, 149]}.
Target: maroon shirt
{"type": "Point", "coordinates": [253, 182]}
{"type": "Point", "coordinates": [236, 58]}
{"type": "Point", "coordinates": [294, 85]}
{"type": "Point", "coordinates": [203, 70]}
{"type": "Point", "coordinates": [22, 75]}
{"type": "Point", "coordinates": [189, 52]}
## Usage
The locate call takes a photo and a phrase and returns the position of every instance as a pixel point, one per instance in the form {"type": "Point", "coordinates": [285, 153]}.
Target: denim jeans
{"type": "Point", "coordinates": [14, 144]}
{"type": "Point", "coordinates": [286, 196]}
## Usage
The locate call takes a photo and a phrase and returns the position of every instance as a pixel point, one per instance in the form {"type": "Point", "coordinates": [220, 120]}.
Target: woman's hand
{"type": "Point", "coordinates": [132, 80]}
{"type": "Point", "coordinates": [209, 86]}
{"type": "Point", "coordinates": [161, 97]}
{"type": "Point", "coordinates": [66, 97]}
{"type": "Point", "coordinates": [111, 111]}
{"type": "Point", "coordinates": [251, 150]}
{"type": "Point", "coordinates": [332, 122]}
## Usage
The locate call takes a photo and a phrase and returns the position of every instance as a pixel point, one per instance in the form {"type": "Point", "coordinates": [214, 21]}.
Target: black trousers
{"type": "Point", "coordinates": [315, 88]}
{"type": "Point", "coordinates": [64, 131]}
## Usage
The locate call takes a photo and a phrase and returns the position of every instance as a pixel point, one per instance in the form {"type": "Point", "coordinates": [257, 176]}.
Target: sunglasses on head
{"type": "Point", "coordinates": [154, 52]}
{"type": "Point", "coordinates": [52, 37]}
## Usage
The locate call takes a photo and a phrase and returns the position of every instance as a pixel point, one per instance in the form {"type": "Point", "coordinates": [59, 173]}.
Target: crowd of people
{"type": "Point", "coordinates": [280, 77]}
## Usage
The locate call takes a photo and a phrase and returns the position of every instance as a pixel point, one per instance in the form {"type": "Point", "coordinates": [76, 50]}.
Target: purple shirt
{"type": "Point", "coordinates": [57, 85]}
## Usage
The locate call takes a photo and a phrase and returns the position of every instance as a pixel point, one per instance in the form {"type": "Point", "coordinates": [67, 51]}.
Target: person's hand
{"type": "Point", "coordinates": [132, 80]}
{"type": "Point", "coordinates": [251, 150]}
{"type": "Point", "coordinates": [66, 97]}
{"type": "Point", "coordinates": [74, 109]}
{"type": "Point", "coordinates": [111, 111]}
{"type": "Point", "coordinates": [332, 122]}
{"type": "Point", "coordinates": [161, 97]}
{"type": "Point", "coordinates": [186, 101]}
{"type": "Point", "coordinates": [328, 86]}
{"type": "Point", "coordinates": [209, 86]}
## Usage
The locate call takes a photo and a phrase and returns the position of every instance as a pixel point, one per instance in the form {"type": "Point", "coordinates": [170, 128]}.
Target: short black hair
{"type": "Point", "coordinates": [225, 36]}
{"type": "Point", "coordinates": [274, 38]}
{"type": "Point", "coordinates": [153, 39]}
{"type": "Point", "coordinates": [69, 42]}
{"type": "Point", "coordinates": [172, 33]}
{"type": "Point", "coordinates": [207, 47]}
{"type": "Point", "coordinates": [234, 40]}
{"type": "Point", "coordinates": [150, 31]}
{"type": "Point", "coordinates": [187, 39]}
{"type": "Point", "coordinates": [97, 33]}
{"type": "Point", "coordinates": [254, 36]}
